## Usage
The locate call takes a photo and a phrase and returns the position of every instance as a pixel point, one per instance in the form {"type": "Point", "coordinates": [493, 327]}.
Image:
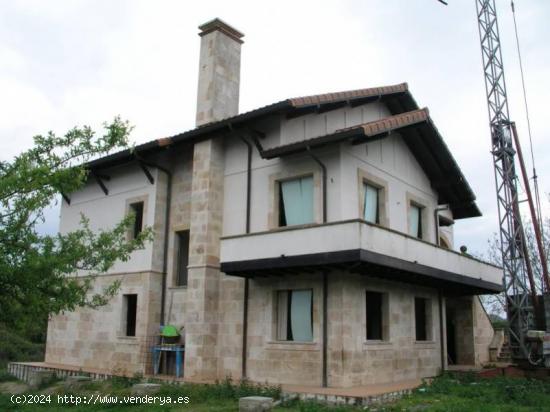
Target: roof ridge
{"type": "Point", "coordinates": [393, 121]}
{"type": "Point", "coordinates": [348, 94]}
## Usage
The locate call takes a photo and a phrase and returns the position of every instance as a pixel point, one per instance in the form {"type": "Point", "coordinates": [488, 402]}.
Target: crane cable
{"type": "Point", "coordinates": [535, 177]}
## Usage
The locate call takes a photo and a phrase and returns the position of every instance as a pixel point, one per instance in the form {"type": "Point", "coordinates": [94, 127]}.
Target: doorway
{"type": "Point", "coordinates": [451, 335]}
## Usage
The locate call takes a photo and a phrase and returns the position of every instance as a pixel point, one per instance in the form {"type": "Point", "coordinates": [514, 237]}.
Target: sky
{"type": "Point", "coordinates": [82, 62]}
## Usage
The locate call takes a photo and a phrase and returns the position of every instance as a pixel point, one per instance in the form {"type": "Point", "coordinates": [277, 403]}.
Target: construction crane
{"type": "Point", "coordinates": [524, 307]}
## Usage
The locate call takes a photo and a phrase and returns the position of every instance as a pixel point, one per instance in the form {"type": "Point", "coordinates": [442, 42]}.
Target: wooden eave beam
{"type": "Point", "coordinates": [99, 180]}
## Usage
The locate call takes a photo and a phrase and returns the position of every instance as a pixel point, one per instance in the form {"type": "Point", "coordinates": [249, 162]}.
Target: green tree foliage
{"type": "Point", "coordinates": [38, 273]}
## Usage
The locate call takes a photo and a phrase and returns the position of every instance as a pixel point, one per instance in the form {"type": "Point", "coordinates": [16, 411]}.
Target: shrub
{"type": "Point", "coordinates": [5, 376]}
{"type": "Point", "coordinates": [16, 348]}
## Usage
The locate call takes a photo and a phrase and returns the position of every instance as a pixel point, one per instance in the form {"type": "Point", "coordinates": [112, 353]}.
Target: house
{"type": "Point", "coordinates": [308, 241]}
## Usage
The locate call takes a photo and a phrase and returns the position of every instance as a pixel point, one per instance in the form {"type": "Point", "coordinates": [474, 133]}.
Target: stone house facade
{"type": "Point", "coordinates": [310, 240]}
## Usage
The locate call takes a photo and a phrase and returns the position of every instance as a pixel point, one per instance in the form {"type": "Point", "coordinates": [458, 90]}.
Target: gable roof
{"type": "Point", "coordinates": [423, 140]}
{"type": "Point", "coordinates": [370, 129]}
{"type": "Point", "coordinates": [397, 97]}
{"type": "Point", "coordinates": [414, 124]}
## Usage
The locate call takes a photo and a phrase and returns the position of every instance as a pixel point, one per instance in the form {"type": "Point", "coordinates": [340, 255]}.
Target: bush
{"type": "Point", "coordinates": [6, 377]}
{"type": "Point", "coordinates": [14, 347]}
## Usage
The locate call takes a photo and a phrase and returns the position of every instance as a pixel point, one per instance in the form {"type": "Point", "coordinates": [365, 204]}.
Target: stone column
{"type": "Point", "coordinates": [219, 72]}
{"type": "Point", "coordinates": [201, 306]}
{"type": "Point", "coordinates": [217, 98]}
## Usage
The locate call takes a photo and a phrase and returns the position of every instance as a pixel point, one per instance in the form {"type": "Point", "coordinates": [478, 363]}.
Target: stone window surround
{"type": "Point", "coordinates": [430, 328]}
{"type": "Point", "coordinates": [121, 332]}
{"type": "Point", "coordinates": [275, 187]}
{"type": "Point", "coordinates": [364, 177]}
{"type": "Point", "coordinates": [132, 200]}
{"type": "Point", "coordinates": [412, 199]}
{"type": "Point", "coordinates": [386, 311]}
{"type": "Point", "coordinates": [276, 344]}
{"type": "Point", "coordinates": [173, 250]}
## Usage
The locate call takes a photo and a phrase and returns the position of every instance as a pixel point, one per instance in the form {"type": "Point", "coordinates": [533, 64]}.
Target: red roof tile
{"type": "Point", "coordinates": [347, 95]}
{"type": "Point", "coordinates": [394, 122]}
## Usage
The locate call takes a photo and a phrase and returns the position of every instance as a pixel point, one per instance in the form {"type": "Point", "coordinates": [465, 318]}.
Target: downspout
{"type": "Point", "coordinates": [436, 220]}
{"type": "Point", "coordinates": [248, 181]}
{"type": "Point", "coordinates": [324, 174]}
{"type": "Point", "coordinates": [325, 273]}
{"type": "Point", "coordinates": [166, 232]}
{"type": "Point", "coordinates": [325, 328]}
{"type": "Point", "coordinates": [246, 281]}
{"type": "Point", "coordinates": [441, 334]}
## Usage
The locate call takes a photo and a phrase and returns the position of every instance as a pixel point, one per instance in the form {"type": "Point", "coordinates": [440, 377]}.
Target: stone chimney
{"type": "Point", "coordinates": [219, 72]}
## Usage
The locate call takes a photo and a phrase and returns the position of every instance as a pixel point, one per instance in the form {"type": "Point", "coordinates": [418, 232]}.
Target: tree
{"type": "Point", "coordinates": [496, 304]}
{"type": "Point", "coordinates": [37, 271]}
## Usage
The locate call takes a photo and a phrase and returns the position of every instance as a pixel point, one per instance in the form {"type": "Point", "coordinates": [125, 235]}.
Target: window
{"type": "Point", "coordinates": [130, 305]}
{"type": "Point", "coordinates": [371, 209]}
{"type": "Point", "coordinates": [182, 239]}
{"type": "Point", "coordinates": [423, 319]}
{"type": "Point", "coordinates": [295, 315]}
{"type": "Point", "coordinates": [415, 221]}
{"type": "Point", "coordinates": [373, 198]}
{"type": "Point", "coordinates": [296, 201]}
{"type": "Point", "coordinates": [137, 210]}
{"type": "Point", "coordinates": [376, 315]}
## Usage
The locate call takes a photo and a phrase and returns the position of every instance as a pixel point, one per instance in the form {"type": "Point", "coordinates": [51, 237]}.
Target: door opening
{"type": "Point", "coordinates": [451, 336]}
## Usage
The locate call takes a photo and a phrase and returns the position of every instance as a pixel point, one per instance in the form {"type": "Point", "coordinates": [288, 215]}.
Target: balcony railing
{"type": "Point", "coordinates": [350, 242]}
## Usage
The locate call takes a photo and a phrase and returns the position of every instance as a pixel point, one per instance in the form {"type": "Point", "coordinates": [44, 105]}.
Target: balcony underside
{"type": "Point", "coordinates": [365, 263]}
{"type": "Point", "coordinates": [358, 247]}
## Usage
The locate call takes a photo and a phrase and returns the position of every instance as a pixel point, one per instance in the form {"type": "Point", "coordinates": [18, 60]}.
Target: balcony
{"type": "Point", "coordinates": [360, 247]}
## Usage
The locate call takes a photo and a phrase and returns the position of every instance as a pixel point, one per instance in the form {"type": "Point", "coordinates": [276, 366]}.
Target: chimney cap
{"type": "Point", "coordinates": [220, 25]}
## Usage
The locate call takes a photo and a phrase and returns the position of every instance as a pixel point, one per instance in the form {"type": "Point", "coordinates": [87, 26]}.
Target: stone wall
{"type": "Point", "coordinates": [483, 332]}
{"type": "Point", "coordinates": [272, 360]}
{"type": "Point", "coordinates": [473, 330]}
{"type": "Point", "coordinates": [202, 302]}
{"type": "Point", "coordinates": [230, 332]}
{"type": "Point", "coordinates": [180, 219]}
{"type": "Point", "coordinates": [352, 360]}
{"type": "Point", "coordinates": [399, 357]}
{"type": "Point", "coordinates": [94, 338]}
{"type": "Point", "coordinates": [461, 310]}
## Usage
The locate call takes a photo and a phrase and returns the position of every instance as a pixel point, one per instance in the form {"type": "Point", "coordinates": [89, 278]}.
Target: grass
{"type": "Point", "coordinates": [467, 393]}
{"type": "Point", "coordinates": [457, 393]}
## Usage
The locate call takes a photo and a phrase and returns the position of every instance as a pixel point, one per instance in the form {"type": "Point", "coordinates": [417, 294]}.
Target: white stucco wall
{"type": "Point", "coordinates": [314, 125]}
{"type": "Point", "coordinates": [263, 171]}
{"type": "Point", "coordinates": [388, 159]}
{"type": "Point", "coordinates": [391, 160]}
{"type": "Point", "coordinates": [104, 212]}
